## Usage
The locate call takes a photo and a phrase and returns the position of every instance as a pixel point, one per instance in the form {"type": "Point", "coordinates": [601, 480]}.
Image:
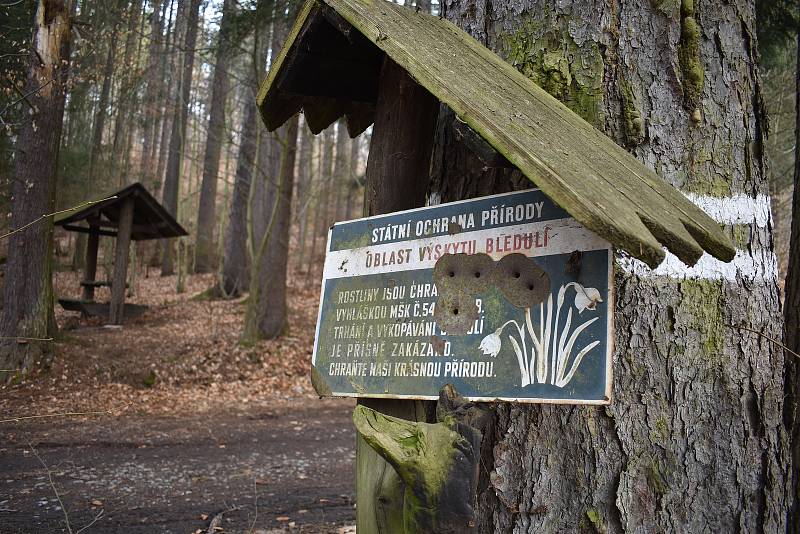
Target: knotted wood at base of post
{"type": "Point", "coordinates": [437, 462]}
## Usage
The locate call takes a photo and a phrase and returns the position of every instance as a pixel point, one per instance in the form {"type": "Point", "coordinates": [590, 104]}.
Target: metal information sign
{"type": "Point", "coordinates": [505, 297]}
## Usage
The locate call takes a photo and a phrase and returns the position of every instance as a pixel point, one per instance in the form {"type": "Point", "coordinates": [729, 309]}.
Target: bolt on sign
{"type": "Point", "coordinates": [506, 297]}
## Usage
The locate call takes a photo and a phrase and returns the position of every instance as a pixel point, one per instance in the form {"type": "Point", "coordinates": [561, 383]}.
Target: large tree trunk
{"type": "Point", "coordinates": [791, 307]}
{"type": "Point", "coordinates": [28, 320]}
{"type": "Point", "coordinates": [178, 134]}
{"type": "Point", "coordinates": [694, 440]}
{"type": "Point", "coordinates": [206, 211]}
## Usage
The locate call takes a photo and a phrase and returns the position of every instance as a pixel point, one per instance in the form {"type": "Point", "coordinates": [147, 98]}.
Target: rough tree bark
{"type": "Point", "coordinates": [206, 211]}
{"type": "Point", "coordinates": [791, 308]}
{"type": "Point", "coordinates": [694, 440]}
{"type": "Point", "coordinates": [28, 291]}
{"type": "Point", "coordinates": [178, 134]}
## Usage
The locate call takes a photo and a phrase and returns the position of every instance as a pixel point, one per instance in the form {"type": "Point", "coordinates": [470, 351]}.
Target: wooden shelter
{"type": "Point", "coordinates": [331, 66]}
{"type": "Point", "coordinates": [128, 214]}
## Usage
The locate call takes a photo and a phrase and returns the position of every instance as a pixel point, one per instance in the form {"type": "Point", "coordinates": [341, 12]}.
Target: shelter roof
{"type": "Point", "coordinates": [330, 67]}
{"type": "Point", "coordinates": [101, 215]}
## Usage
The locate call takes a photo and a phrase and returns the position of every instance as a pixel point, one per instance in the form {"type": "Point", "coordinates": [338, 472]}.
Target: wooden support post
{"type": "Point", "coordinates": [117, 307]}
{"type": "Point", "coordinates": [396, 179]}
{"type": "Point", "coordinates": [438, 463]}
{"type": "Point", "coordinates": [91, 264]}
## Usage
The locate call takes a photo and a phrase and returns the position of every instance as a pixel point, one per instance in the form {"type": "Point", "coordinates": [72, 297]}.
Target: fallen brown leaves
{"type": "Point", "coordinates": [182, 355]}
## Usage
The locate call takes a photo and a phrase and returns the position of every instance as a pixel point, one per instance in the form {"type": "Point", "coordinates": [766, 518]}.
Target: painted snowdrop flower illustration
{"type": "Point", "coordinates": [551, 359]}
{"type": "Point", "coordinates": [586, 298]}
{"type": "Point", "coordinates": [491, 344]}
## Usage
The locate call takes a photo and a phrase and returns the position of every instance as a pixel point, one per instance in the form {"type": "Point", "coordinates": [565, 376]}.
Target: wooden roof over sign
{"type": "Point", "coordinates": [101, 215]}
{"type": "Point", "coordinates": [330, 67]}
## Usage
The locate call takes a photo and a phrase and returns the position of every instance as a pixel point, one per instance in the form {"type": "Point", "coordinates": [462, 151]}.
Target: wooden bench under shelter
{"type": "Point", "coordinates": [130, 213]}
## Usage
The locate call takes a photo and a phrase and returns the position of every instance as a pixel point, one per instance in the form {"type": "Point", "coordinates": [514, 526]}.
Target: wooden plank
{"type": "Point", "coordinates": [358, 118]}
{"type": "Point", "coordinates": [99, 309]}
{"type": "Point", "coordinates": [117, 307]}
{"type": "Point", "coordinates": [599, 183]}
{"type": "Point", "coordinates": [333, 77]}
{"type": "Point", "coordinates": [396, 179]}
{"type": "Point", "coordinates": [89, 230]}
{"type": "Point", "coordinates": [320, 113]}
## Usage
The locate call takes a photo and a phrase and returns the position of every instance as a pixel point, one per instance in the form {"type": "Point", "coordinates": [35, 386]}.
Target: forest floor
{"type": "Point", "coordinates": [176, 422]}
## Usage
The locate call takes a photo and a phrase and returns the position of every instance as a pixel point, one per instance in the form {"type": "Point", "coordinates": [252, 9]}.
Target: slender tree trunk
{"type": "Point", "coordinates": [322, 195]}
{"type": "Point", "coordinates": [341, 169]}
{"type": "Point", "coordinates": [266, 316]}
{"type": "Point", "coordinates": [234, 276]}
{"type": "Point", "coordinates": [102, 108]}
{"type": "Point", "coordinates": [264, 179]}
{"type": "Point", "coordinates": [27, 316]}
{"type": "Point", "coordinates": [270, 150]}
{"type": "Point", "coordinates": [302, 212]}
{"type": "Point", "coordinates": [266, 308]}
{"type": "Point", "coordinates": [168, 96]}
{"type": "Point", "coordinates": [791, 309]}
{"type": "Point", "coordinates": [123, 122]}
{"type": "Point", "coordinates": [693, 441]}
{"type": "Point", "coordinates": [178, 135]}
{"type": "Point", "coordinates": [352, 180]}
{"type": "Point", "coordinates": [151, 95]}
{"type": "Point", "coordinates": [206, 212]}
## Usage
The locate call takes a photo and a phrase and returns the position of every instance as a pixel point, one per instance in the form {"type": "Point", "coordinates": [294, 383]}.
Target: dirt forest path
{"type": "Point", "coordinates": [284, 469]}
{"type": "Point", "coordinates": [179, 421]}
